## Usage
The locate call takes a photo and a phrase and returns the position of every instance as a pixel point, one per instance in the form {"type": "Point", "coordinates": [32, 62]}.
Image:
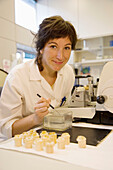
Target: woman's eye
{"type": "Point", "coordinates": [67, 48]}
{"type": "Point", "coordinates": [52, 46]}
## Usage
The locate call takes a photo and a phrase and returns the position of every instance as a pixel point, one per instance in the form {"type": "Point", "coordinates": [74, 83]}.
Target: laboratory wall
{"type": "Point", "coordinates": [91, 18]}
{"type": "Point", "coordinates": [10, 33]}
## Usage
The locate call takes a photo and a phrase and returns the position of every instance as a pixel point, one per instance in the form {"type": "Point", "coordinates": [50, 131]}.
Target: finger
{"type": "Point", "coordinates": [42, 109]}
{"type": "Point", "coordinates": [44, 100]}
{"type": "Point", "coordinates": [44, 114]}
{"type": "Point", "coordinates": [41, 100]}
{"type": "Point", "coordinates": [41, 105]}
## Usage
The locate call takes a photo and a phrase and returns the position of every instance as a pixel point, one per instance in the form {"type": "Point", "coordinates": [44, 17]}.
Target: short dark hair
{"type": "Point", "coordinates": [51, 28]}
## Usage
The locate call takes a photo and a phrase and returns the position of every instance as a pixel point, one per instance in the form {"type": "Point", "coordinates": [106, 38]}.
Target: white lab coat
{"type": "Point", "coordinates": [20, 90]}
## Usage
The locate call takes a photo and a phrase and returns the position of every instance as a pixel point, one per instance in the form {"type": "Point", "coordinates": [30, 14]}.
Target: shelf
{"type": "Point", "coordinates": [101, 61]}
{"type": "Point", "coordinates": [94, 49]}
{"type": "Point", "coordinates": [108, 48]}
{"type": "Point", "coordinates": [82, 50]}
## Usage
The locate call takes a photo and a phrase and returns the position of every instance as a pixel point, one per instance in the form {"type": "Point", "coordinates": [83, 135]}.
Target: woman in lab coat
{"type": "Point", "coordinates": [48, 75]}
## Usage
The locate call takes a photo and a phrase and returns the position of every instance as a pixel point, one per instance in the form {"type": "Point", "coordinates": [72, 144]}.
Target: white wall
{"type": "Point", "coordinates": [68, 9]}
{"type": "Point", "coordinates": [95, 18]}
{"type": "Point", "coordinates": [10, 33]}
{"type": "Point", "coordinates": [91, 18]}
{"type": "Point", "coordinates": [7, 30]}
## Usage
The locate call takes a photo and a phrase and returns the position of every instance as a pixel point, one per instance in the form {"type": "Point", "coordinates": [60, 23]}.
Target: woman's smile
{"type": "Point", "coordinates": [56, 53]}
{"type": "Point", "coordinates": [58, 62]}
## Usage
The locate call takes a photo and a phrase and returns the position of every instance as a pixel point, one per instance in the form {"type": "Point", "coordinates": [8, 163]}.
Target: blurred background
{"type": "Point", "coordinates": [19, 20]}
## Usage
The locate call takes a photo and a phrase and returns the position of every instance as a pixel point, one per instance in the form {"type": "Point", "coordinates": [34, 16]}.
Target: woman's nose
{"type": "Point", "coordinates": [60, 55]}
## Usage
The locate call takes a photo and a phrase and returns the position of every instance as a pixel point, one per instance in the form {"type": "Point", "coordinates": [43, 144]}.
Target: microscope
{"type": "Point", "coordinates": [104, 101]}
{"type": "Point", "coordinates": [83, 96]}
{"type": "Point", "coordinates": [81, 101]}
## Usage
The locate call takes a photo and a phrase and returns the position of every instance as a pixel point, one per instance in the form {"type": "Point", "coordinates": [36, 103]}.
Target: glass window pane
{"type": "Point", "coordinates": [29, 56]}
{"type": "Point", "coordinates": [25, 14]}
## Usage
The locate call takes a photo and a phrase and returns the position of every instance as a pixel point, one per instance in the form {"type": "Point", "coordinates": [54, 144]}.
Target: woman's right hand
{"type": "Point", "coordinates": [41, 110]}
{"type": "Point", "coordinates": [28, 122]}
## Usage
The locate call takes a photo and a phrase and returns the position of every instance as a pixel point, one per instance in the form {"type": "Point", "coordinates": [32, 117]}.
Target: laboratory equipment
{"type": "Point", "coordinates": [59, 121]}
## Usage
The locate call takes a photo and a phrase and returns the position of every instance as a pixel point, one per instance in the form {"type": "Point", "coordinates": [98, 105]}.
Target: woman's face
{"type": "Point", "coordinates": [56, 53]}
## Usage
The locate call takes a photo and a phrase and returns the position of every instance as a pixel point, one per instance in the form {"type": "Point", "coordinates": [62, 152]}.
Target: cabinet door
{"type": "Point", "coordinates": [95, 18]}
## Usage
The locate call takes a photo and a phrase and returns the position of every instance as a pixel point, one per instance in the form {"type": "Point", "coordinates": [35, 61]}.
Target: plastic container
{"type": "Point", "coordinates": [59, 121]}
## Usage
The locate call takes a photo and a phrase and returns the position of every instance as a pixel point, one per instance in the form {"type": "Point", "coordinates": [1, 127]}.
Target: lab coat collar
{"type": "Point", "coordinates": [35, 75]}
{"type": "Point", "coordinates": [60, 72]}
{"type": "Point", "coordinates": [34, 71]}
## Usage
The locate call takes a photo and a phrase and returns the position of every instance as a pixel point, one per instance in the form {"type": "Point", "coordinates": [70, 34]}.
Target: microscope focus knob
{"type": "Point", "coordinates": [100, 99]}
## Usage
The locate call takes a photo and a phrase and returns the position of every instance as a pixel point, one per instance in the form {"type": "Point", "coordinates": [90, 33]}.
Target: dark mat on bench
{"type": "Point", "coordinates": [93, 135]}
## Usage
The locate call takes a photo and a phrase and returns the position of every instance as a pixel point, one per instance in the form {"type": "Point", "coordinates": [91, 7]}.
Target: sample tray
{"type": "Point", "coordinates": [93, 135]}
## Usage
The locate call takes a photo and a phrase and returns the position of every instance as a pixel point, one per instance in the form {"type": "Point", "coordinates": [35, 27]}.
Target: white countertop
{"type": "Point", "coordinates": [80, 112]}
{"type": "Point", "coordinates": [91, 158]}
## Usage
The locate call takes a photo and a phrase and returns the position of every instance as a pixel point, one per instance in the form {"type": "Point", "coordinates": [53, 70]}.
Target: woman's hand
{"type": "Point", "coordinates": [41, 110]}
{"type": "Point", "coordinates": [28, 122]}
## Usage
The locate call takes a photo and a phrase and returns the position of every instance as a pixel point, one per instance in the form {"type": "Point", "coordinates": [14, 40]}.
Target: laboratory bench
{"type": "Point", "coordinates": [99, 157]}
